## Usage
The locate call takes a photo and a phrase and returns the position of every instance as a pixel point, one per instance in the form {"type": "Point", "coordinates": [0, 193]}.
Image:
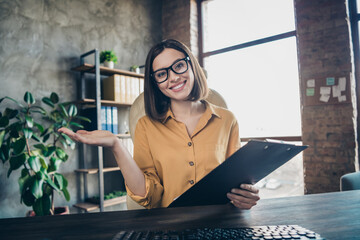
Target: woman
{"type": "Point", "coordinates": [182, 137]}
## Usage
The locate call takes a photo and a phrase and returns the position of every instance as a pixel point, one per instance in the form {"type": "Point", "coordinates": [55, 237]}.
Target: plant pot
{"type": "Point", "coordinates": [109, 64]}
{"type": "Point", "coordinates": [58, 211]}
{"type": "Point", "coordinates": [136, 70]}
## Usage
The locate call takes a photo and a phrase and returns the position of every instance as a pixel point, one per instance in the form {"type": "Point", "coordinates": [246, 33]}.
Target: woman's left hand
{"type": "Point", "coordinates": [244, 197]}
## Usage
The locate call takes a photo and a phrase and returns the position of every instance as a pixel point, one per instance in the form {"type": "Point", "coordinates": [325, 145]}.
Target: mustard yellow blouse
{"type": "Point", "coordinates": [172, 161]}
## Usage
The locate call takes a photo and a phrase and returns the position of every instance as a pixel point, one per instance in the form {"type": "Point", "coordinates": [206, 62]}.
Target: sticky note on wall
{"type": "Point", "coordinates": [330, 81]}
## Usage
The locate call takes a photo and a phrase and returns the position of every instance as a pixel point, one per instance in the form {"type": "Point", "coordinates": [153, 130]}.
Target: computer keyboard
{"type": "Point", "coordinates": [251, 233]}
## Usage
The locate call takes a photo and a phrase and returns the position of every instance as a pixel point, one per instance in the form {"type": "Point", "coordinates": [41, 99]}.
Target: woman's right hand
{"type": "Point", "coordinates": [97, 137]}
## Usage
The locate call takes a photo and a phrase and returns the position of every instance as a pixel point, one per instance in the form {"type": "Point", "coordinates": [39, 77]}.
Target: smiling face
{"type": "Point", "coordinates": [178, 86]}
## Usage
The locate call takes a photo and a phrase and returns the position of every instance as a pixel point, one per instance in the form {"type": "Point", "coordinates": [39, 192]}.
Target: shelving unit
{"type": "Point", "coordinates": [98, 71]}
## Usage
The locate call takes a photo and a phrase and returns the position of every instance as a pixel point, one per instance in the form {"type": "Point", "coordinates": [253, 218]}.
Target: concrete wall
{"type": "Point", "coordinates": [41, 40]}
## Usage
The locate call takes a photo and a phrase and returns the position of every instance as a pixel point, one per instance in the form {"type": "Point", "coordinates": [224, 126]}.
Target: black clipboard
{"type": "Point", "coordinates": [249, 164]}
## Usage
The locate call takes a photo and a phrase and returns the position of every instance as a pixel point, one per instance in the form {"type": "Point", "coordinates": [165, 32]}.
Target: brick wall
{"type": "Point", "coordinates": [179, 21]}
{"type": "Point", "coordinates": [324, 50]}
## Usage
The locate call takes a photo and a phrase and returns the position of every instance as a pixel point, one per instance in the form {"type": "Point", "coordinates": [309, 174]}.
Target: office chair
{"type": "Point", "coordinates": [350, 181]}
{"type": "Point", "coordinates": [137, 111]}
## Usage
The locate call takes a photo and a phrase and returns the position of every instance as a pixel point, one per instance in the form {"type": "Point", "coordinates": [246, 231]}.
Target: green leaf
{"type": "Point", "coordinates": [76, 124]}
{"type": "Point", "coordinates": [28, 132]}
{"type": "Point", "coordinates": [38, 109]}
{"type": "Point", "coordinates": [24, 178]}
{"type": "Point", "coordinates": [27, 198]}
{"type": "Point", "coordinates": [72, 110]}
{"type": "Point", "coordinates": [29, 121]}
{"type": "Point", "coordinates": [41, 147]}
{"type": "Point", "coordinates": [54, 164]}
{"type": "Point", "coordinates": [46, 137]}
{"type": "Point", "coordinates": [83, 118]}
{"type": "Point", "coordinates": [40, 127]}
{"type": "Point", "coordinates": [2, 157]}
{"type": "Point", "coordinates": [44, 132]}
{"type": "Point", "coordinates": [59, 180]}
{"type": "Point", "coordinates": [42, 206]}
{"type": "Point", "coordinates": [63, 142]}
{"type": "Point", "coordinates": [35, 137]}
{"type": "Point", "coordinates": [48, 101]}
{"type": "Point", "coordinates": [66, 194]}
{"type": "Point", "coordinates": [43, 163]}
{"type": "Point", "coordinates": [54, 98]}
{"type": "Point", "coordinates": [67, 138]}
{"type": "Point", "coordinates": [14, 130]}
{"type": "Point", "coordinates": [2, 136]}
{"type": "Point", "coordinates": [28, 98]}
{"type": "Point", "coordinates": [50, 151]}
{"type": "Point", "coordinates": [10, 113]}
{"type": "Point", "coordinates": [63, 111]}
{"type": "Point", "coordinates": [5, 153]}
{"type": "Point", "coordinates": [17, 161]}
{"type": "Point", "coordinates": [34, 163]}
{"type": "Point", "coordinates": [19, 104]}
{"type": "Point", "coordinates": [61, 153]}
{"type": "Point", "coordinates": [4, 121]}
{"type": "Point", "coordinates": [52, 184]}
{"type": "Point", "coordinates": [41, 175]}
{"type": "Point", "coordinates": [36, 188]}
{"type": "Point", "coordinates": [19, 146]}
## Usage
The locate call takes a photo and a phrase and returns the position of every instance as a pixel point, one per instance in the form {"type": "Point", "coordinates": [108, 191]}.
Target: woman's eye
{"type": "Point", "coordinates": [160, 74]}
{"type": "Point", "coordinates": [179, 65]}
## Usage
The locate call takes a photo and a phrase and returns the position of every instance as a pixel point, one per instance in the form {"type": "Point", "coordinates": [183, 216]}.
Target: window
{"type": "Point", "coordinates": [250, 55]}
{"type": "Point", "coordinates": [259, 81]}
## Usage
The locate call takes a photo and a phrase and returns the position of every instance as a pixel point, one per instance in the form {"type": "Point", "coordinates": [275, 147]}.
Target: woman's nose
{"type": "Point", "coordinates": [172, 75]}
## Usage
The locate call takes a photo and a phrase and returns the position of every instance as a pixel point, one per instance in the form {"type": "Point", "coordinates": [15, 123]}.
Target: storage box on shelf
{"type": "Point", "coordinates": [120, 89]}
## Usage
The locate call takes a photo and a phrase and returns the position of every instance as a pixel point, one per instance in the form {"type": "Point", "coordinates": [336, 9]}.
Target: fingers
{"type": "Point", "coordinates": [244, 198]}
{"type": "Point", "coordinates": [71, 134]}
{"type": "Point", "coordinates": [66, 131]}
{"type": "Point", "coordinates": [250, 188]}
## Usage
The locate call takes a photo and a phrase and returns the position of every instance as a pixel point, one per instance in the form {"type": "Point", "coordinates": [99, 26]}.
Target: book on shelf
{"type": "Point", "coordinates": [103, 118]}
{"type": "Point", "coordinates": [122, 88]}
{"type": "Point", "coordinates": [91, 114]}
{"type": "Point", "coordinates": [109, 119]}
{"type": "Point", "coordinates": [112, 88]}
{"type": "Point", "coordinates": [114, 120]}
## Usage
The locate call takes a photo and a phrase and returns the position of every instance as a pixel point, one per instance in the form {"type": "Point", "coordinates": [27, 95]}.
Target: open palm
{"type": "Point", "coordinates": [97, 137]}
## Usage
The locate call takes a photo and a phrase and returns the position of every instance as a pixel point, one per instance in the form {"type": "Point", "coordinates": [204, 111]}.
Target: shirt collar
{"type": "Point", "coordinates": [211, 109]}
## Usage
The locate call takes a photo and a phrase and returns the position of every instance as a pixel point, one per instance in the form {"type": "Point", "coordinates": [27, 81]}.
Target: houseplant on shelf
{"type": "Point", "coordinates": [108, 58]}
{"type": "Point", "coordinates": [135, 68]}
{"type": "Point", "coordinates": [29, 141]}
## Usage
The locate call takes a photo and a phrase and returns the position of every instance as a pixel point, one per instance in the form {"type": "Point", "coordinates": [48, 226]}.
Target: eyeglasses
{"type": "Point", "coordinates": [178, 67]}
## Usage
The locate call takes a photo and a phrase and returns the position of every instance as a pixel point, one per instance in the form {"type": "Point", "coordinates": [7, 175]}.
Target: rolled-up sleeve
{"type": "Point", "coordinates": [234, 140]}
{"type": "Point", "coordinates": [144, 159]}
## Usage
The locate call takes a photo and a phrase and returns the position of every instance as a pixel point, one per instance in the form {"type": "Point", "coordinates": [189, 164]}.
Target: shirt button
{"type": "Point", "coordinates": [191, 182]}
{"type": "Point", "coordinates": [189, 144]}
{"type": "Point", "coordinates": [191, 163]}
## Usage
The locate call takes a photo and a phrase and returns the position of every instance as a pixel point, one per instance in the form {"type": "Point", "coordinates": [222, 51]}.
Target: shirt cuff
{"type": "Point", "coordinates": [143, 201]}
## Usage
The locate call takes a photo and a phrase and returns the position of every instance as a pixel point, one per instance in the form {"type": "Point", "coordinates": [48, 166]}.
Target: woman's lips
{"type": "Point", "coordinates": [178, 87]}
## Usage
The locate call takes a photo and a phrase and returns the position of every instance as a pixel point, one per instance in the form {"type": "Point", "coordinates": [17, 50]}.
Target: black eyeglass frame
{"type": "Point", "coordinates": [186, 59]}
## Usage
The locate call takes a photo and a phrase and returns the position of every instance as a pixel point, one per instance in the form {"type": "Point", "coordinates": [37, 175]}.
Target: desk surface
{"type": "Point", "coordinates": [333, 215]}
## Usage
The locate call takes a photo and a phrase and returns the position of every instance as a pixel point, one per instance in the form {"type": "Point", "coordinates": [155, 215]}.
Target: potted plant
{"type": "Point", "coordinates": [29, 141]}
{"type": "Point", "coordinates": [135, 68]}
{"type": "Point", "coordinates": [108, 58]}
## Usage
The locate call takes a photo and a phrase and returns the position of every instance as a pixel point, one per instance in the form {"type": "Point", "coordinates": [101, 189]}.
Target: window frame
{"type": "Point", "coordinates": [256, 42]}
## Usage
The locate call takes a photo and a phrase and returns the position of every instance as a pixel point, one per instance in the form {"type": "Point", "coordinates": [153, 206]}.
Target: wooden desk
{"type": "Point", "coordinates": [333, 215]}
